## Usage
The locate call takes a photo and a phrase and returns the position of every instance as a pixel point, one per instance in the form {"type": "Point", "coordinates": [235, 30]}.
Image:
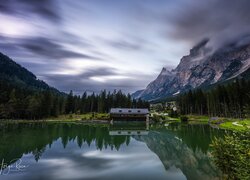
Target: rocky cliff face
{"type": "Point", "coordinates": [201, 67]}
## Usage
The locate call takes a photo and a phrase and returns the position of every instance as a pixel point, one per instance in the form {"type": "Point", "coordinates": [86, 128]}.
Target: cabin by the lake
{"type": "Point", "coordinates": [128, 114]}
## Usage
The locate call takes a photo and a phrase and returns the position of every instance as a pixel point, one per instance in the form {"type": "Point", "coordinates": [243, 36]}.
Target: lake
{"type": "Point", "coordinates": [118, 151]}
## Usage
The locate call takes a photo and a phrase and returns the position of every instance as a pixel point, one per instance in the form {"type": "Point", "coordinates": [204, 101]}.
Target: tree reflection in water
{"type": "Point", "coordinates": [178, 145]}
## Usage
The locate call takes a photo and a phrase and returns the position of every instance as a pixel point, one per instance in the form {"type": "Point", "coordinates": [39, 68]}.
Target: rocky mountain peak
{"type": "Point", "coordinates": [165, 72]}
{"type": "Point", "coordinates": [201, 68]}
{"type": "Point", "coordinates": [197, 55]}
{"type": "Point", "coordinates": [200, 47]}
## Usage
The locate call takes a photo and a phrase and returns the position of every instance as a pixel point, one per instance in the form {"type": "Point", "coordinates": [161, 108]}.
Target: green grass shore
{"type": "Point", "coordinates": [221, 122]}
{"type": "Point", "coordinates": [240, 125]}
{"type": "Point", "coordinates": [224, 123]}
{"type": "Point", "coordinates": [82, 117]}
{"type": "Point", "coordinates": [88, 117]}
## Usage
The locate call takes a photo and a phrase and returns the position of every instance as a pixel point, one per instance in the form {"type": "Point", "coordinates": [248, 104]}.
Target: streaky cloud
{"type": "Point", "coordinates": [46, 9]}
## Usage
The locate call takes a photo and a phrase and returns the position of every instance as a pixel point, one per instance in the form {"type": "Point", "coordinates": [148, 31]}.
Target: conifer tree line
{"type": "Point", "coordinates": [231, 100]}
{"type": "Point", "coordinates": [101, 102]}
{"type": "Point", "coordinates": [20, 103]}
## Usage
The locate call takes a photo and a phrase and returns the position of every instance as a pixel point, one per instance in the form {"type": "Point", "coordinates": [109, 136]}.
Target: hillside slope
{"type": "Point", "coordinates": [15, 75]}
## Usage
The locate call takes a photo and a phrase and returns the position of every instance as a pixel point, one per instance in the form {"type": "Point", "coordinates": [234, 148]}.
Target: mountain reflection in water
{"type": "Point", "coordinates": [78, 151]}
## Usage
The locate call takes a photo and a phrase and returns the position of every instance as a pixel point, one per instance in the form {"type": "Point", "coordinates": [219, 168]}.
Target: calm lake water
{"type": "Point", "coordinates": [119, 151]}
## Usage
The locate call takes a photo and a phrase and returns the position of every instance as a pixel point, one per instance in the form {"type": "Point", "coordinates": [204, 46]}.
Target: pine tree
{"type": "Point", "coordinates": [70, 103]}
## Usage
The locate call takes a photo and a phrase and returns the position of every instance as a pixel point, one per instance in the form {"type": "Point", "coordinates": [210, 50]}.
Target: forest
{"type": "Point", "coordinates": [229, 100]}
{"type": "Point", "coordinates": [24, 96]}
{"type": "Point", "coordinates": [21, 103]}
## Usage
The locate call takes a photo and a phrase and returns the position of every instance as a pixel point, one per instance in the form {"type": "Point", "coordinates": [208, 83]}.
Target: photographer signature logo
{"type": "Point", "coordinates": [14, 165]}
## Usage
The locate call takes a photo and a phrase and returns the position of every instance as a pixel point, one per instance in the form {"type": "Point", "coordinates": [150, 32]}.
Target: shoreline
{"type": "Point", "coordinates": [94, 121]}
{"type": "Point", "coordinates": [239, 125]}
{"type": "Point", "coordinates": [233, 124]}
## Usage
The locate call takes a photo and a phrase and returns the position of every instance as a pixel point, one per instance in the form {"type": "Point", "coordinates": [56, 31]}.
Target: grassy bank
{"type": "Point", "coordinates": [225, 123]}
{"type": "Point", "coordinates": [190, 118]}
{"type": "Point", "coordinates": [78, 117]}
{"type": "Point", "coordinates": [240, 125]}
{"type": "Point", "coordinates": [67, 118]}
{"type": "Point", "coordinates": [198, 118]}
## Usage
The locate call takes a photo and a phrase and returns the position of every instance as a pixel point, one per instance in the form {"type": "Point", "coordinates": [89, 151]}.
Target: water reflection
{"type": "Point", "coordinates": [129, 128]}
{"type": "Point", "coordinates": [186, 147]}
{"type": "Point", "coordinates": [76, 151]}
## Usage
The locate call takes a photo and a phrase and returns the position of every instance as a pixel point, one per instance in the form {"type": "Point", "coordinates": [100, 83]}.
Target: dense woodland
{"type": "Point", "coordinates": [230, 100]}
{"type": "Point", "coordinates": [18, 103]}
{"type": "Point", "coordinates": [23, 96]}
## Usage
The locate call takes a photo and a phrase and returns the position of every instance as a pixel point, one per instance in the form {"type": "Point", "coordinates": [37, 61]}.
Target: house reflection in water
{"type": "Point", "coordinates": [129, 121]}
{"type": "Point", "coordinates": [128, 132]}
{"type": "Point", "coordinates": [128, 128]}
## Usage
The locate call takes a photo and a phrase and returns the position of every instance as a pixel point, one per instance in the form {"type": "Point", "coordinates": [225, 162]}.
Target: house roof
{"type": "Point", "coordinates": [128, 111]}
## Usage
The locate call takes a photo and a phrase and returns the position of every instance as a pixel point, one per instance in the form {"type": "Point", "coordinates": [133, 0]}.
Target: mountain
{"type": "Point", "coordinates": [203, 67]}
{"type": "Point", "coordinates": [13, 74]}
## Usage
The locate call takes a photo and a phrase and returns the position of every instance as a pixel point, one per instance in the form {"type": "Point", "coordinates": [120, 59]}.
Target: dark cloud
{"type": "Point", "coordinates": [127, 42]}
{"type": "Point", "coordinates": [47, 9]}
{"type": "Point", "coordinates": [125, 45]}
{"type": "Point", "coordinates": [47, 47]}
{"type": "Point", "coordinates": [74, 39]}
{"type": "Point", "coordinates": [83, 82]}
{"type": "Point", "coordinates": [41, 46]}
{"type": "Point", "coordinates": [220, 20]}
{"type": "Point", "coordinates": [101, 71]}
{"type": "Point", "coordinates": [88, 73]}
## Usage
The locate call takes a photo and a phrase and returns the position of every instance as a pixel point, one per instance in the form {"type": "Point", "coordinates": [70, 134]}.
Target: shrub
{"type": "Point", "coordinates": [232, 155]}
{"type": "Point", "coordinates": [184, 118]}
{"type": "Point", "coordinates": [173, 114]}
{"type": "Point", "coordinates": [156, 118]}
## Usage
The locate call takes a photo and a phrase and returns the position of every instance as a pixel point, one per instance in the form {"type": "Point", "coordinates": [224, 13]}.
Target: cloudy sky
{"type": "Point", "coordinates": [113, 44]}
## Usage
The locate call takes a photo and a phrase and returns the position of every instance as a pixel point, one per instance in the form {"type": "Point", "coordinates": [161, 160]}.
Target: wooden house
{"type": "Point", "coordinates": [128, 114]}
